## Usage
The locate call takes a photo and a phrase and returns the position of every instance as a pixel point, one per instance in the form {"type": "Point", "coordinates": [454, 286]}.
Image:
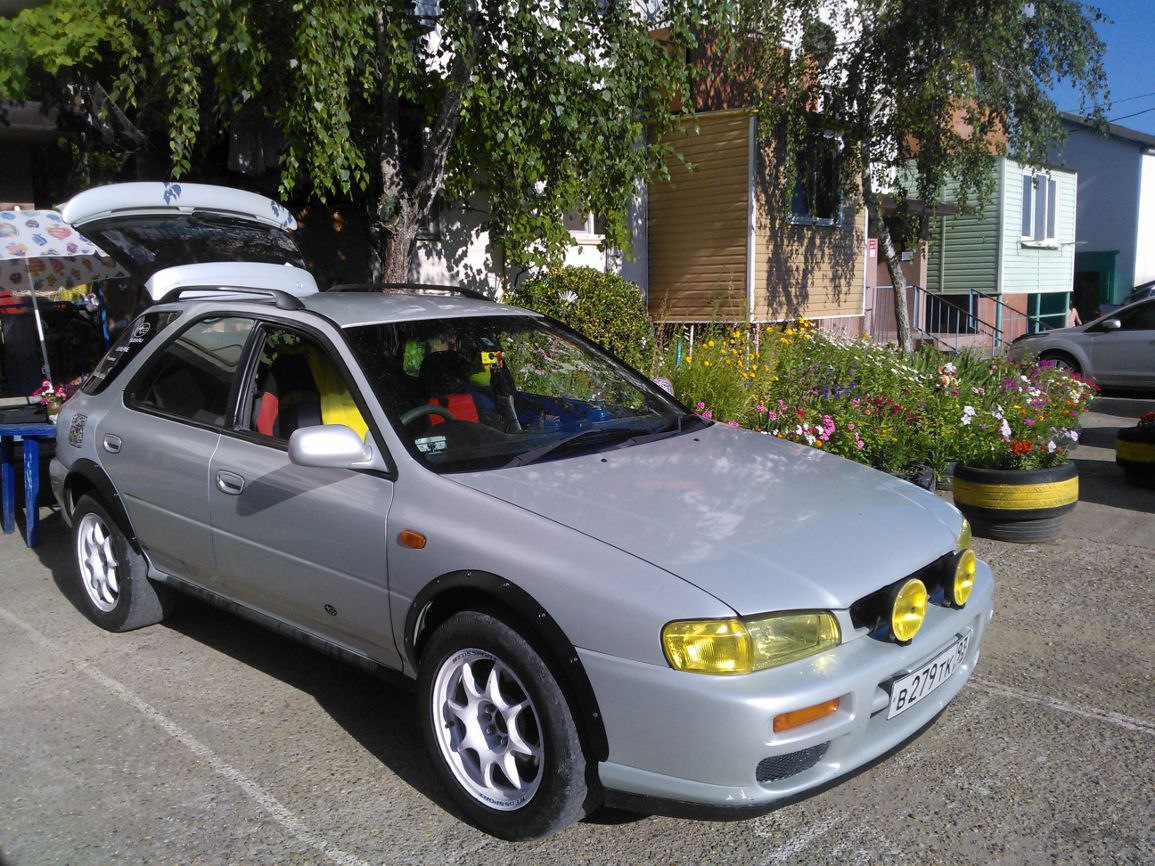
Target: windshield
{"type": "Point", "coordinates": [485, 392]}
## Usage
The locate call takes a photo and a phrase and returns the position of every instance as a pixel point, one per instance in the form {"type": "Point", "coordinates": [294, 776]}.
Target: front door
{"type": "Point", "coordinates": [304, 544]}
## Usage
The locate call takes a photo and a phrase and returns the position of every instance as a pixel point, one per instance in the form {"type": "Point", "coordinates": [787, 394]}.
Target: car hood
{"type": "Point", "coordinates": [759, 523]}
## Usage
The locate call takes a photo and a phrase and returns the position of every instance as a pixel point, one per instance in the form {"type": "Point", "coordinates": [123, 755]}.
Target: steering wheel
{"type": "Point", "coordinates": [411, 415]}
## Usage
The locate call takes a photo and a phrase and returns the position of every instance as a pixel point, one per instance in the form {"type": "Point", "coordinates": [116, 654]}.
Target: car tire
{"type": "Point", "coordinates": [1062, 360]}
{"type": "Point", "coordinates": [500, 731]}
{"type": "Point", "coordinates": [115, 592]}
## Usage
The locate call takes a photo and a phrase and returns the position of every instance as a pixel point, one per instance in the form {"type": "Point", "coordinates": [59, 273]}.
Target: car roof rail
{"type": "Point", "coordinates": [414, 288]}
{"type": "Point", "coordinates": [282, 300]}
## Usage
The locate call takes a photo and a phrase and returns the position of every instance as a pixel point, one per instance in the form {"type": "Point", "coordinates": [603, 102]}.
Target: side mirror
{"type": "Point", "coordinates": [1110, 325]}
{"type": "Point", "coordinates": [328, 446]}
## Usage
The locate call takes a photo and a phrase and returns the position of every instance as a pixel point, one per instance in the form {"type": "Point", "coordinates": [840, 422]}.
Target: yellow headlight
{"type": "Point", "coordinates": [964, 578]}
{"type": "Point", "coordinates": [964, 536]}
{"type": "Point", "coordinates": [733, 646]}
{"type": "Point", "coordinates": [785, 637]}
{"type": "Point", "coordinates": [908, 610]}
{"type": "Point", "coordinates": [713, 646]}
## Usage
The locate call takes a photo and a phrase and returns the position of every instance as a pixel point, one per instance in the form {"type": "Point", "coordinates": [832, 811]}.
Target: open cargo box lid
{"type": "Point", "coordinates": [152, 227]}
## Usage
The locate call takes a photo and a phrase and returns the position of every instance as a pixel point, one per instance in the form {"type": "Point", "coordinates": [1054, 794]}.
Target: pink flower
{"type": "Point", "coordinates": [701, 405]}
{"type": "Point", "coordinates": [707, 414]}
{"type": "Point", "coordinates": [860, 444]}
{"type": "Point", "coordinates": [731, 423]}
{"type": "Point", "coordinates": [773, 416]}
{"type": "Point", "coordinates": [759, 408]}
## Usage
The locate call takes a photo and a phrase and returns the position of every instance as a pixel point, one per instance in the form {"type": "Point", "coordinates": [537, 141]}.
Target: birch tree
{"type": "Point", "coordinates": [919, 93]}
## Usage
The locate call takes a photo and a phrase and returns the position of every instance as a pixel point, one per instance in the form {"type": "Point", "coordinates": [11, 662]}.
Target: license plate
{"type": "Point", "coordinates": [912, 688]}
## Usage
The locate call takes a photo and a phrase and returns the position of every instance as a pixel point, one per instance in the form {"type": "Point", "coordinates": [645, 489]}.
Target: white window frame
{"type": "Point", "coordinates": [1043, 228]}
{"type": "Point", "coordinates": [588, 233]}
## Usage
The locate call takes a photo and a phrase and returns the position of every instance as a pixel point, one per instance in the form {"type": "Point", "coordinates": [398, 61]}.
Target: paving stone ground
{"type": "Point", "coordinates": [209, 740]}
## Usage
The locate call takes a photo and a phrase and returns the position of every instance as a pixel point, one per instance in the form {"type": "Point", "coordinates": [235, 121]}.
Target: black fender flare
{"type": "Point", "coordinates": [94, 474]}
{"type": "Point", "coordinates": [571, 673]}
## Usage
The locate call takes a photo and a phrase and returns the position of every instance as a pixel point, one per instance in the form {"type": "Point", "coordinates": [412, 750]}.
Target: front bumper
{"type": "Point", "coordinates": [706, 741]}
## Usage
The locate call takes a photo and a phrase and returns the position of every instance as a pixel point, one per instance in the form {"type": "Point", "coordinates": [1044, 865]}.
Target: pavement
{"type": "Point", "coordinates": [209, 740]}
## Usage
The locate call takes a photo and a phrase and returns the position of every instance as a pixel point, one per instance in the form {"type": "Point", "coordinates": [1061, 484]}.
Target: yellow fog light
{"type": "Point", "coordinates": [964, 578]}
{"type": "Point", "coordinates": [908, 610]}
{"type": "Point", "coordinates": [716, 646]}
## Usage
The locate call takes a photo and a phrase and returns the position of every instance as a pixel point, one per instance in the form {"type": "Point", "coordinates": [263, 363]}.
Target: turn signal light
{"type": "Point", "coordinates": [409, 538]}
{"type": "Point", "coordinates": [794, 718]}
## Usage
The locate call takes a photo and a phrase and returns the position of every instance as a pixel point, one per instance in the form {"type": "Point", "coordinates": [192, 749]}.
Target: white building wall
{"type": "Point", "coordinates": [462, 255]}
{"type": "Point", "coordinates": [1145, 234]}
{"type": "Point", "coordinates": [1108, 200]}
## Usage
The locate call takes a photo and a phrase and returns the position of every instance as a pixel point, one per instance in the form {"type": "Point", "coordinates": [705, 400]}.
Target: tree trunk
{"type": "Point", "coordinates": [406, 203]}
{"type": "Point", "coordinates": [893, 265]}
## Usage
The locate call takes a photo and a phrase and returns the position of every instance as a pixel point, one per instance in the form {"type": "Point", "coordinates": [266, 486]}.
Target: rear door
{"type": "Point", "coordinates": [158, 442]}
{"type": "Point", "coordinates": [304, 544]}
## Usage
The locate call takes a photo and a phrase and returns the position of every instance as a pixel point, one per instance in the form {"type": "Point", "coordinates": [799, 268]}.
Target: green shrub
{"type": "Point", "coordinates": [604, 307]}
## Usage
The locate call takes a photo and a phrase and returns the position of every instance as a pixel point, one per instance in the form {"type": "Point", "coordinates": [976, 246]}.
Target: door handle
{"type": "Point", "coordinates": [230, 483]}
{"type": "Point", "coordinates": [112, 443]}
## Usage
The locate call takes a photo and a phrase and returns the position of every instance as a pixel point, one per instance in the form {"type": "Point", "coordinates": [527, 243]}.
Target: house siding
{"type": "Point", "coordinates": [1030, 269]}
{"type": "Point", "coordinates": [698, 224]}
{"type": "Point", "coordinates": [964, 250]}
{"type": "Point", "coordinates": [806, 270]}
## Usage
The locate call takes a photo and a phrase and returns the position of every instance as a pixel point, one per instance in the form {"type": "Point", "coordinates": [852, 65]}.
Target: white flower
{"type": "Point", "coordinates": [568, 297]}
{"type": "Point", "coordinates": [1051, 447]}
{"type": "Point", "coordinates": [1005, 430]}
{"type": "Point", "coordinates": [1074, 434]}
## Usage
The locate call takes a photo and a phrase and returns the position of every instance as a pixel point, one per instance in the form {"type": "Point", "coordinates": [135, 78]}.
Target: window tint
{"type": "Point", "coordinates": [192, 376]}
{"type": "Point", "coordinates": [1141, 318]}
{"type": "Point", "coordinates": [127, 346]}
{"type": "Point", "coordinates": [297, 384]}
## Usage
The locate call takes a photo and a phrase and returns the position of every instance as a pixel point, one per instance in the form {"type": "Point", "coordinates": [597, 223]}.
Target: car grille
{"type": "Point", "coordinates": [783, 766]}
{"type": "Point", "coordinates": [873, 611]}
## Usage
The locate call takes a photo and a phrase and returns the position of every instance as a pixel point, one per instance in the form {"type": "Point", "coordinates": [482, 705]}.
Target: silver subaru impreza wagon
{"type": "Point", "coordinates": [601, 597]}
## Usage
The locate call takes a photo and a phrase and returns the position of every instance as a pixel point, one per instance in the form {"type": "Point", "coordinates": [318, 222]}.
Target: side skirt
{"type": "Point", "coordinates": [295, 633]}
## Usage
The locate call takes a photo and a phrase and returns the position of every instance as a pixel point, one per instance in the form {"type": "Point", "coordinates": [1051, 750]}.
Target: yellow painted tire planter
{"type": "Point", "coordinates": [1022, 505]}
{"type": "Point", "coordinates": [1135, 453]}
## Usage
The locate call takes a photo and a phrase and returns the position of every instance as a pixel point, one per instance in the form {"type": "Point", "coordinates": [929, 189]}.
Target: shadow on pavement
{"type": "Point", "coordinates": [378, 714]}
{"type": "Point", "coordinates": [1103, 482]}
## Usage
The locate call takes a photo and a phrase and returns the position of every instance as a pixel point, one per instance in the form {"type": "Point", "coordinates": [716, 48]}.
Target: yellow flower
{"type": "Point", "coordinates": [710, 344]}
{"type": "Point", "coordinates": [707, 363]}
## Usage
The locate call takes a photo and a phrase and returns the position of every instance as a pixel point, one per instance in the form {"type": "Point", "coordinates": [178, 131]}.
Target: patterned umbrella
{"type": "Point", "coordinates": [41, 254]}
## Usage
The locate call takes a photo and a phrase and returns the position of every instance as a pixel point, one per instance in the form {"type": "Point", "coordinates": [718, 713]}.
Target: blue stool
{"type": "Point", "coordinates": [31, 434]}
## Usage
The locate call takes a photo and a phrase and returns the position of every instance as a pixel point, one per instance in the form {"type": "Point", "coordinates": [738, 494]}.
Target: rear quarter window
{"type": "Point", "coordinates": [127, 346]}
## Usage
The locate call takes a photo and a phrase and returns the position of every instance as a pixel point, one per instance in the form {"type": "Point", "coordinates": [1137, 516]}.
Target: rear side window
{"type": "Point", "coordinates": [127, 346]}
{"type": "Point", "coordinates": [192, 377]}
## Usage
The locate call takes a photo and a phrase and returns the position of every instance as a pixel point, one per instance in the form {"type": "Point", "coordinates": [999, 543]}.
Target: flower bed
{"type": "Point", "coordinates": [872, 404]}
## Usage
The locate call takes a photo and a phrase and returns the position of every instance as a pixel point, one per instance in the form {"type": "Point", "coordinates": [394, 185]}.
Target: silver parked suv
{"type": "Point", "coordinates": [601, 596]}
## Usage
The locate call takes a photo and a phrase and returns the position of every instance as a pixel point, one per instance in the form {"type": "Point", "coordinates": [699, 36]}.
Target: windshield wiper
{"type": "Point", "coordinates": [628, 434]}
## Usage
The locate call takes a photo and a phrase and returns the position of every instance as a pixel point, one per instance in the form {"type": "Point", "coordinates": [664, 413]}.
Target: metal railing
{"type": "Point", "coordinates": [972, 320]}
